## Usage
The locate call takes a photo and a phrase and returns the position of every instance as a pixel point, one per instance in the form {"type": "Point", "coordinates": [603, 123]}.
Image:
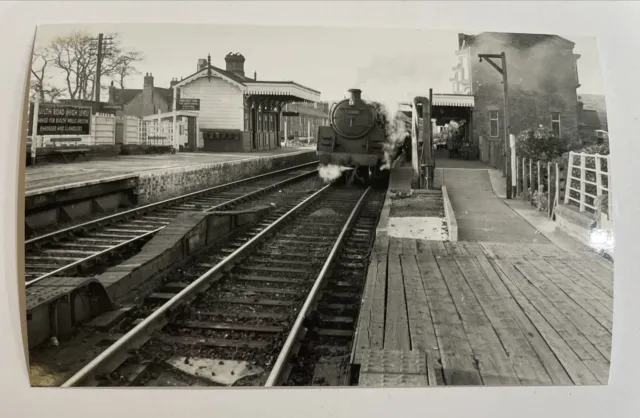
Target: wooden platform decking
{"type": "Point", "coordinates": [488, 313]}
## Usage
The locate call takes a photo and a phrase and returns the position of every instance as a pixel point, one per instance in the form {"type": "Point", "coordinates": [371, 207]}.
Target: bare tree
{"type": "Point", "coordinates": [39, 84]}
{"type": "Point", "coordinates": [76, 56]}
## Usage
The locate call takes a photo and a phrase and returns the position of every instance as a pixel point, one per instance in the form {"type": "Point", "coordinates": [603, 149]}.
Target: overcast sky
{"type": "Point", "coordinates": [387, 64]}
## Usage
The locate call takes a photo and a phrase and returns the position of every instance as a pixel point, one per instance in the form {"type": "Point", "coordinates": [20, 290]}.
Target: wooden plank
{"type": "Point", "coordinates": [422, 332]}
{"type": "Point", "coordinates": [472, 248]}
{"type": "Point", "coordinates": [423, 246]}
{"type": "Point", "coordinates": [438, 248]}
{"type": "Point", "coordinates": [551, 364]}
{"type": "Point", "coordinates": [409, 246]}
{"type": "Point", "coordinates": [460, 370]}
{"type": "Point", "coordinates": [592, 289]}
{"type": "Point", "coordinates": [454, 348]}
{"type": "Point", "coordinates": [580, 296]}
{"type": "Point", "coordinates": [509, 337]}
{"type": "Point", "coordinates": [480, 332]}
{"type": "Point", "coordinates": [395, 246]}
{"type": "Point", "coordinates": [370, 330]}
{"type": "Point", "coordinates": [396, 330]}
{"type": "Point", "coordinates": [532, 303]}
{"type": "Point", "coordinates": [381, 244]}
{"type": "Point", "coordinates": [583, 328]}
{"type": "Point", "coordinates": [604, 283]}
{"type": "Point", "coordinates": [452, 248]}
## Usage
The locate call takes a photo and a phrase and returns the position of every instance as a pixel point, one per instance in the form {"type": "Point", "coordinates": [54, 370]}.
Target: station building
{"type": "Point", "coordinates": [232, 112]}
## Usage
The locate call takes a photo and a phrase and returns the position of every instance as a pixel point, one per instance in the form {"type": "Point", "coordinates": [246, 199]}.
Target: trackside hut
{"type": "Point", "coordinates": [237, 113]}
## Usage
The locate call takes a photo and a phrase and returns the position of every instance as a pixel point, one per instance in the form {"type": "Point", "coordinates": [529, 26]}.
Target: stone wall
{"type": "Point", "coordinates": [158, 185]}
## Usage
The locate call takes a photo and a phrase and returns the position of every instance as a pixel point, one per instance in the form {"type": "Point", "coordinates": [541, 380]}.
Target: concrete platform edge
{"type": "Point", "coordinates": [452, 223]}
{"type": "Point", "coordinates": [186, 236]}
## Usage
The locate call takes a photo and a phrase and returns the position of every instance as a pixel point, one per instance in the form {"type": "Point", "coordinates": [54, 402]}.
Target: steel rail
{"type": "Point", "coordinates": [146, 234]}
{"type": "Point", "coordinates": [92, 368]}
{"type": "Point", "coordinates": [295, 333]}
{"type": "Point", "coordinates": [125, 213]}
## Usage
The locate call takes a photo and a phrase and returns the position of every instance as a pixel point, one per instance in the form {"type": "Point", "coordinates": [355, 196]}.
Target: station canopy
{"type": "Point", "coordinates": [257, 93]}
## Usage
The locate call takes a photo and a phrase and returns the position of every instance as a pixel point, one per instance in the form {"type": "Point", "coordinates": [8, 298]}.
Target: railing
{"type": "Point", "coordinates": [584, 183]}
{"type": "Point", "coordinates": [588, 180]}
{"type": "Point", "coordinates": [538, 181]}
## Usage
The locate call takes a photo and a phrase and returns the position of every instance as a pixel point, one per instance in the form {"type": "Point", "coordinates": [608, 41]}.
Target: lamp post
{"type": "Point", "coordinates": [507, 146]}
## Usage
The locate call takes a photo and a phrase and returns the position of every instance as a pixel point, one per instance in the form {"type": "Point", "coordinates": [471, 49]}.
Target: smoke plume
{"type": "Point", "coordinates": [330, 172]}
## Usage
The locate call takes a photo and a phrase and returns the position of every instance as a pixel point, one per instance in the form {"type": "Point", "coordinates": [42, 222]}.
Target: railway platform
{"type": "Point", "coordinates": [501, 298]}
{"type": "Point", "coordinates": [57, 193]}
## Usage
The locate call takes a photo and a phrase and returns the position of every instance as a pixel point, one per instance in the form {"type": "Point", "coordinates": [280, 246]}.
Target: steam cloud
{"type": "Point", "coordinates": [330, 172]}
{"type": "Point", "coordinates": [381, 89]}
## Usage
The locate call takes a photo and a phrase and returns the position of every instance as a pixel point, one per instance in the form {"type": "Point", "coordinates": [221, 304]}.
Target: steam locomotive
{"type": "Point", "coordinates": [358, 138]}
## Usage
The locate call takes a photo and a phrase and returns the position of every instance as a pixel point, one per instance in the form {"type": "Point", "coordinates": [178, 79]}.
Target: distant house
{"type": "Point", "coordinates": [593, 120]}
{"type": "Point", "coordinates": [146, 101]}
{"type": "Point", "coordinates": [311, 116]}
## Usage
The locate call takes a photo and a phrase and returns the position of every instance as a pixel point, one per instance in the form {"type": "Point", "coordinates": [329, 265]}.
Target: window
{"type": "Point", "coordinates": [260, 122]}
{"type": "Point", "coordinates": [555, 124]}
{"type": "Point", "coordinates": [246, 119]}
{"type": "Point", "coordinates": [493, 123]}
{"type": "Point", "coordinates": [272, 126]}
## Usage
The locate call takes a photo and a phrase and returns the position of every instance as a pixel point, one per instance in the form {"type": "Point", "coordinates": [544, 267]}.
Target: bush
{"type": "Point", "coordinates": [539, 144]}
{"type": "Point", "coordinates": [541, 200]}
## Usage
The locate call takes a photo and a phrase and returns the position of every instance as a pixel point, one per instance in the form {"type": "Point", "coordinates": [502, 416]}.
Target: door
{"type": "Point", "coordinates": [192, 135]}
{"type": "Point", "coordinates": [254, 130]}
{"type": "Point", "coordinates": [119, 132]}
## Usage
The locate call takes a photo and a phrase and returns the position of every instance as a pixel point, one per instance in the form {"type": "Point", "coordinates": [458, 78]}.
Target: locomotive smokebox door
{"type": "Point", "coordinates": [353, 118]}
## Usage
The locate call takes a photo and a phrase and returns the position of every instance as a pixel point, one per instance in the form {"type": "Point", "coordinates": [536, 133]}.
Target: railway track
{"type": "Point", "coordinates": [81, 247]}
{"type": "Point", "coordinates": [245, 306]}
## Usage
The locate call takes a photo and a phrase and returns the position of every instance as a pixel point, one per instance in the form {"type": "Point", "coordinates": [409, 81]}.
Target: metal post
{"type": "Point", "coordinates": [514, 169]}
{"type": "Point", "coordinates": [427, 142]}
{"type": "Point", "coordinates": [175, 117]}
{"type": "Point", "coordinates": [414, 144]}
{"type": "Point", "coordinates": [506, 125]}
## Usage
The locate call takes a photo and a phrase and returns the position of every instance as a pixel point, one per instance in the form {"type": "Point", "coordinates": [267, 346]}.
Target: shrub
{"type": "Point", "coordinates": [541, 200]}
{"type": "Point", "coordinates": [539, 144]}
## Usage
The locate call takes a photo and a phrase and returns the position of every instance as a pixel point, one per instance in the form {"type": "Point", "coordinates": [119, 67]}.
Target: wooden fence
{"type": "Point", "coordinates": [539, 182]}
{"type": "Point", "coordinates": [491, 152]}
{"type": "Point", "coordinates": [583, 183]}
{"type": "Point", "coordinates": [589, 180]}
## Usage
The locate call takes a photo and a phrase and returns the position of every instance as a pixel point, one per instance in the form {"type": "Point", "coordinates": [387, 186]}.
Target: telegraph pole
{"type": "Point", "coordinates": [507, 145]}
{"type": "Point", "coordinates": [102, 42]}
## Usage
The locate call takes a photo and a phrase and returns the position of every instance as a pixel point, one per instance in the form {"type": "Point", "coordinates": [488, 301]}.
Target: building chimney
{"type": "Point", "coordinates": [235, 63]}
{"type": "Point", "coordinates": [173, 82]}
{"type": "Point", "coordinates": [148, 80]}
{"type": "Point", "coordinates": [202, 64]}
{"type": "Point", "coordinates": [255, 76]}
{"type": "Point", "coordinates": [112, 93]}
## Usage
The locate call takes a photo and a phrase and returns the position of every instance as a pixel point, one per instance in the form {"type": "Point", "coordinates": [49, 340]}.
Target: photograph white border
{"type": "Point", "coordinates": [610, 22]}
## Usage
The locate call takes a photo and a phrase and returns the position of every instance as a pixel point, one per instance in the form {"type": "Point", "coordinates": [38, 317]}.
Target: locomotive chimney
{"type": "Point", "coordinates": [355, 96]}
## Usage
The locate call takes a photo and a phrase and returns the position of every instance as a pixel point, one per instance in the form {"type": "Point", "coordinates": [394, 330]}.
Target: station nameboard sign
{"type": "Point", "coordinates": [56, 119]}
{"type": "Point", "coordinates": [290, 113]}
{"type": "Point", "coordinates": [188, 104]}
{"type": "Point", "coordinates": [110, 107]}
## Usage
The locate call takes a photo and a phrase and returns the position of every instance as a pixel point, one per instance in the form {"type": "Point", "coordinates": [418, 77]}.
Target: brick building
{"type": "Point", "coordinates": [146, 101]}
{"type": "Point", "coordinates": [306, 124]}
{"type": "Point", "coordinates": [542, 80]}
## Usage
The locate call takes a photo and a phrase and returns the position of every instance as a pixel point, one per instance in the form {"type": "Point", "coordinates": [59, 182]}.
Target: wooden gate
{"type": "Point", "coordinates": [119, 137]}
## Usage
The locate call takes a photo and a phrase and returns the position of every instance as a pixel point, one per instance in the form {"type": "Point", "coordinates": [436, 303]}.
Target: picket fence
{"type": "Point", "coordinates": [583, 183]}
{"type": "Point", "coordinates": [107, 129]}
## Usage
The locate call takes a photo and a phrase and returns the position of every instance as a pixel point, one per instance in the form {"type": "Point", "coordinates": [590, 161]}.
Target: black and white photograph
{"type": "Point", "coordinates": [275, 206]}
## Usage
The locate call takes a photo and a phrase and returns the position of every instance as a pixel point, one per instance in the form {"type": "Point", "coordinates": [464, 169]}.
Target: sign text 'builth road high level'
{"type": "Point", "coordinates": [62, 120]}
